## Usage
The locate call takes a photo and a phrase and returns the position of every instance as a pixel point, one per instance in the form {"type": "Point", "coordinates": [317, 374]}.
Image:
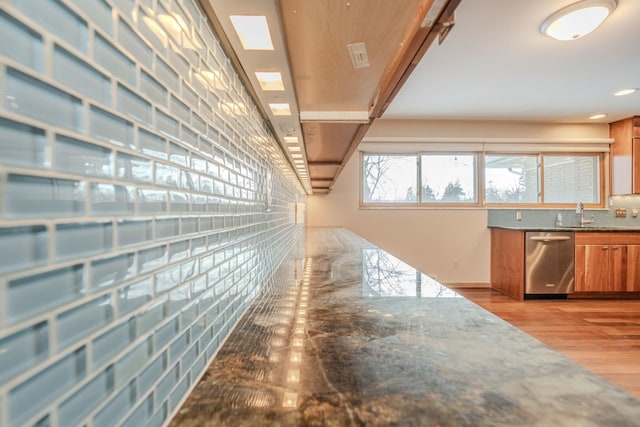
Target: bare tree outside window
{"type": "Point", "coordinates": [389, 178]}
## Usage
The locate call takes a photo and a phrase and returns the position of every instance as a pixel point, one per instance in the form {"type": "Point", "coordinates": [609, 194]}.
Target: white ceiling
{"type": "Point", "coordinates": [496, 65]}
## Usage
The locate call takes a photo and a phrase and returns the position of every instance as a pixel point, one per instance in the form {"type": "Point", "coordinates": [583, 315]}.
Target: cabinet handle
{"type": "Point", "coordinates": [615, 248]}
{"type": "Point", "coordinates": [604, 248]}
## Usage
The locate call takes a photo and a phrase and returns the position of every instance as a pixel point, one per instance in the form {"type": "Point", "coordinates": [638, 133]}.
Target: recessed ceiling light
{"type": "Point", "coordinates": [577, 19]}
{"type": "Point", "coordinates": [253, 32]}
{"type": "Point", "coordinates": [270, 81]}
{"type": "Point", "coordinates": [296, 155]}
{"type": "Point", "coordinates": [280, 109]}
{"type": "Point", "coordinates": [624, 92]}
{"type": "Point", "coordinates": [294, 148]}
{"type": "Point", "coordinates": [597, 116]}
{"type": "Point", "coordinates": [291, 139]}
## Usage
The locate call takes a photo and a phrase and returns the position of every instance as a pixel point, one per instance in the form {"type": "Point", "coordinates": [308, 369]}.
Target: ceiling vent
{"type": "Point", "coordinates": [358, 53]}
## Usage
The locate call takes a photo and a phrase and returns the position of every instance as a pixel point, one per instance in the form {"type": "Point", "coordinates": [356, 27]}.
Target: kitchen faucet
{"type": "Point", "coordinates": [580, 211]}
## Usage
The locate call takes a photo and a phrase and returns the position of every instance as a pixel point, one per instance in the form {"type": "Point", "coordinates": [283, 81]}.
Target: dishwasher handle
{"type": "Point", "coordinates": [549, 238]}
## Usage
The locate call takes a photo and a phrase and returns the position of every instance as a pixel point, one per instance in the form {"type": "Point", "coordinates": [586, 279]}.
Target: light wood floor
{"type": "Point", "coordinates": [601, 335]}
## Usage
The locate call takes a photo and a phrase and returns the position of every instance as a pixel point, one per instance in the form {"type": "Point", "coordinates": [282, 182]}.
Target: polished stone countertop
{"type": "Point", "coordinates": [348, 335]}
{"type": "Point", "coordinates": [586, 228]}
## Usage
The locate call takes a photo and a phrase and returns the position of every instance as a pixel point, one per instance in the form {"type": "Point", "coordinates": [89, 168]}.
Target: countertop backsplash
{"type": "Point", "coordinates": [547, 217]}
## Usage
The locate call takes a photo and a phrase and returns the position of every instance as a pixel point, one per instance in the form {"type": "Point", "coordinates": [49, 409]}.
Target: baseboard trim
{"type": "Point", "coordinates": [468, 285]}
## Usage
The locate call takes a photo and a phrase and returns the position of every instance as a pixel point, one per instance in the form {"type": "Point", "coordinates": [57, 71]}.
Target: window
{"type": "Point", "coordinates": [448, 178]}
{"type": "Point", "coordinates": [511, 178]}
{"type": "Point", "coordinates": [454, 179]}
{"type": "Point", "coordinates": [571, 178]}
{"type": "Point", "coordinates": [389, 179]}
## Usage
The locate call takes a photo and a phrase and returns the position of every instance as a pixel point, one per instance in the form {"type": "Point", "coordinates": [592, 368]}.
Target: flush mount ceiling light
{"type": "Point", "coordinates": [624, 92]}
{"type": "Point", "coordinates": [280, 109]}
{"type": "Point", "coordinates": [577, 19]}
{"type": "Point", "coordinates": [291, 139]}
{"type": "Point", "coordinates": [598, 116]}
{"type": "Point", "coordinates": [253, 32]}
{"type": "Point", "coordinates": [270, 80]}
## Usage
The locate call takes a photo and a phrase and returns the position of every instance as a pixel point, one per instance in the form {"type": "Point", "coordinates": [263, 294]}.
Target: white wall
{"type": "Point", "coordinates": [452, 244]}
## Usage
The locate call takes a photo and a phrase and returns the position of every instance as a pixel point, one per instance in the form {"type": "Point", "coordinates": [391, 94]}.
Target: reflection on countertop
{"type": "Point", "coordinates": [350, 335]}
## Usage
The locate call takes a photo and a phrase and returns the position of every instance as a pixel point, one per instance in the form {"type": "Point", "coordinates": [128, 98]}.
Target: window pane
{"type": "Point", "coordinates": [571, 179]}
{"type": "Point", "coordinates": [389, 179]}
{"type": "Point", "coordinates": [511, 179]}
{"type": "Point", "coordinates": [449, 178]}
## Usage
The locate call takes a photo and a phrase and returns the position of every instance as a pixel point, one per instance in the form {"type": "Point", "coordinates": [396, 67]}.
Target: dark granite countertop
{"type": "Point", "coordinates": [351, 336]}
{"type": "Point", "coordinates": [604, 228]}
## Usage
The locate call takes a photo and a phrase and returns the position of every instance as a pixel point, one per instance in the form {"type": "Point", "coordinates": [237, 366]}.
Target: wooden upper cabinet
{"type": "Point", "coordinates": [625, 156]}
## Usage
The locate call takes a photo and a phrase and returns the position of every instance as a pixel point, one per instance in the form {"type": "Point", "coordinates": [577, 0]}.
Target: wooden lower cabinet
{"type": "Point", "coordinates": [607, 262]}
{"type": "Point", "coordinates": [633, 268]}
{"type": "Point", "coordinates": [600, 268]}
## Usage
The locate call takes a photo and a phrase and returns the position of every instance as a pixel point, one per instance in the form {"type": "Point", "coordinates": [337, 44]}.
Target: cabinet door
{"type": "Point", "coordinates": [592, 268]}
{"type": "Point", "coordinates": [633, 268]}
{"type": "Point", "coordinates": [617, 268]}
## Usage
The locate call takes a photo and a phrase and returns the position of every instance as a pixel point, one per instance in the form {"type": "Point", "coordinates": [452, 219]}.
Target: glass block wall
{"type": "Point", "coordinates": [143, 205]}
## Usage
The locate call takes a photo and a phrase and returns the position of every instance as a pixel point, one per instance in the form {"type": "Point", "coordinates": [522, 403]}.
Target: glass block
{"type": "Point", "coordinates": [167, 75]}
{"type": "Point", "coordinates": [108, 345]}
{"type": "Point", "coordinates": [26, 45]}
{"type": "Point", "coordinates": [190, 138]}
{"type": "Point", "coordinates": [110, 58]}
{"type": "Point", "coordinates": [167, 228]}
{"type": "Point", "coordinates": [167, 175]}
{"type": "Point", "coordinates": [190, 96]}
{"type": "Point", "coordinates": [134, 44]}
{"type": "Point", "coordinates": [153, 89]}
{"type": "Point", "coordinates": [79, 157]}
{"type": "Point", "coordinates": [167, 383]}
{"type": "Point", "coordinates": [30, 196]}
{"type": "Point", "coordinates": [73, 72]}
{"type": "Point", "coordinates": [98, 12]}
{"type": "Point", "coordinates": [26, 399]}
{"type": "Point", "coordinates": [152, 259]}
{"type": "Point", "coordinates": [152, 201]}
{"type": "Point", "coordinates": [133, 106]}
{"type": "Point", "coordinates": [198, 123]}
{"type": "Point", "coordinates": [151, 373]}
{"type": "Point", "coordinates": [111, 271]}
{"type": "Point", "coordinates": [178, 298]}
{"type": "Point", "coordinates": [152, 144]}
{"type": "Point", "coordinates": [110, 128]}
{"type": "Point", "coordinates": [134, 296]}
{"type": "Point", "coordinates": [133, 168]}
{"type": "Point", "coordinates": [132, 362]}
{"type": "Point", "coordinates": [22, 247]}
{"type": "Point", "coordinates": [167, 279]}
{"type": "Point", "coordinates": [58, 19]}
{"type": "Point", "coordinates": [140, 416]}
{"type": "Point", "coordinates": [79, 322]}
{"type": "Point", "coordinates": [180, 109]}
{"type": "Point", "coordinates": [33, 295]}
{"type": "Point", "coordinates": [178, 393]}
{"type": "Point", "coordinates": [167, 125]}
{"type": "Point", "coordinates": [116, 408]}
{"type": "Point", "coordinates": [178, 154]}
{"type": "Point", "coordinates": [178, 251]}
{"type": "Point", "coordinates": [22, 145]}
{"type": "Point", "coordinates": [189, 225]}
{"type": "Point", "coordinates": [178, 62]}
{"type": "Point", "coordinates": [83, 401]}
{"type": "Point", "coordinates": [23, 350]}
{"type": "Point", "coordinates": [150, 318]}
{"type": "Point", "coordinates": [110, 199]}
{"type": "Point", "coordinates": [133, 232]}
{"type": "Point", "coordinates": [38, 100]}
{"type": "Point", "coordinates": [82, 240]}
{"type": "Point", "coordinates": [179, 202]}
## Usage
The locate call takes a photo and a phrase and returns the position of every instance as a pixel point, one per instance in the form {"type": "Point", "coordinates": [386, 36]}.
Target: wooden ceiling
{"type": "Point", "coordinates": [316, 33]}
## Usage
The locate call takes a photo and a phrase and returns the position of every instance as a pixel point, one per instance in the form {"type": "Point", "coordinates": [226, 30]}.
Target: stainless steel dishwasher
{"type": "Point", "coordinates": [549, 262]}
